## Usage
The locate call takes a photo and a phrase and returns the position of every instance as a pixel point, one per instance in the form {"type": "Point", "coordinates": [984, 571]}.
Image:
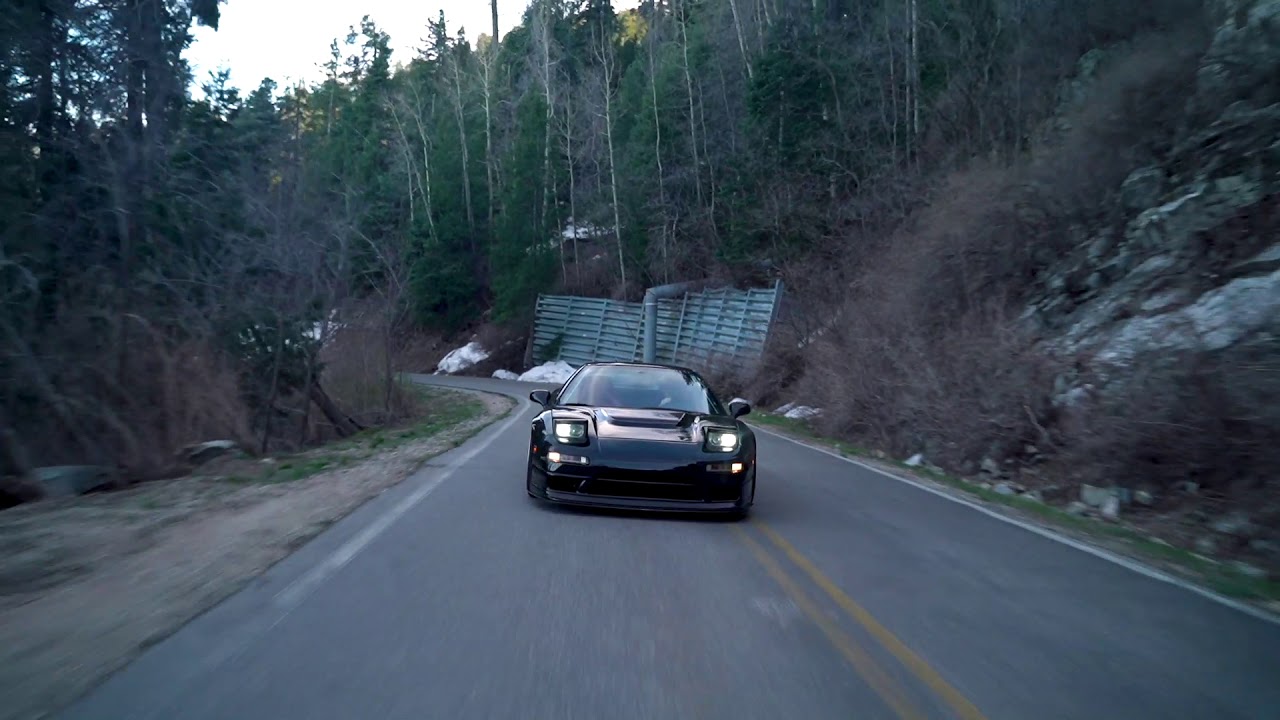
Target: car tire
{"type": "Point", "coordinates": [528, 482]}
{"type": "Point", "coordinates": [742, 513]}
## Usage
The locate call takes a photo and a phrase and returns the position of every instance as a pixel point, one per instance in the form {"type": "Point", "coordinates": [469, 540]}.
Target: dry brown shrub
{"type": "Point", "coordinates": [728, 376]}
{"type": "Point", "coordinates": [1212, 419]}
{"type": "Point", "coordinates": [1132, 112]}
{"type": "Point", "coordinates": [595, 274]}
{"type": "Point", "coordinates": [133, 410]}
{"type": "Point", "coordinates": [199, 397]}
{"type": "Point", "coordinates": [926, 353]}
{"type": "Point", "coordinates": [966, 247]}
{"type": "Point", "coordinates": [974, 389]}
{"type": "Point", "coordinates": [354, 375]}
{"type": "Point", "coordinates": [506, 346]}
{"type": "Point", "coordinates": [419, 350]}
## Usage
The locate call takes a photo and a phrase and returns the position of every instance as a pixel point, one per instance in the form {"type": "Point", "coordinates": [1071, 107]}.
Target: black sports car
{"type": "Point", "coordinates": [651, 437]}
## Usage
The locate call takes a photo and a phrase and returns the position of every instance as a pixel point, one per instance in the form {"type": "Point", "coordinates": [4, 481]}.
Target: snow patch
{"type": "Point", "coordinates": [462, 358]}
{"type": "Point", "coordinates": [582, 230]}
{"type": "Point", "coordinates": [802, 412]}
{"type": "Point", "coordinates": [324, 334]}
{"type": "Point", "coordinates": [505, 375]}
{"type": "Point", "coordinates": [555, 371]}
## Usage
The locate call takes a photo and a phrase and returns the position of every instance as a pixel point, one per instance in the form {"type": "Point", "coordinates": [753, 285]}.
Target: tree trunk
{"type": "Point", "coordinates": [47, 49]}
{"type": "Point", "coordinates": [742, 43]}
{"type": "Point", "coordinates": [388, 374]}
{"type": "Point", "coordinates": [466, 159]}
{"type": "Point", "coordinates": [426, 165]}
{"type": "Point", "coordinates": [573, 188]}
{"type": "Point", "coordinates": [915, 71]}
{"type": "Point", "coordinates": [493, 7]}
{"type": "Point", "coordinates": [693, 117]}
{"type": "Point", "coordinates": [606, 57]}
{"type": "Point", "coordinates": [657, 153]}
{"type": "Point", "coordinates": [488, 124]}
{"type": "Point", "coordinates": [14, 459]}
{"type": "Point", "coordinates": [544, 39]}
{"type": "Point", "coordinates": [274, 387]}
{"type": "Point", "coordinates": [343, 423]}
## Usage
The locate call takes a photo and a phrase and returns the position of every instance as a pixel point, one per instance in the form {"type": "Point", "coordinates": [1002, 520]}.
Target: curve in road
{"type": "Point", "coordinates": [848, 594]}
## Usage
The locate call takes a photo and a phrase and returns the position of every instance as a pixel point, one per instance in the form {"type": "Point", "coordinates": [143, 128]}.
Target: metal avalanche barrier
{"type": "Point", "coordinates": [695, 329]}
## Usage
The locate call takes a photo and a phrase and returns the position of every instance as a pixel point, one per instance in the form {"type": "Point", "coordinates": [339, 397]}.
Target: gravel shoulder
{"type": "Point", "coordinates": [87, 583]}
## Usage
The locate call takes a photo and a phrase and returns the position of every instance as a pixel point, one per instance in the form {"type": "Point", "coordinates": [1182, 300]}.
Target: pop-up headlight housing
{"type": "Point", "coordinates": [722, 440]}
{"type": "Point", "coordinates": [570, 432]}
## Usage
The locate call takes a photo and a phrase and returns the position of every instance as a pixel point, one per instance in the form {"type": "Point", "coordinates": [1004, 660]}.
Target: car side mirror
{"type": "Point", "coordinates": [542, 397]}
{"type": "Point", "coordinates": [738, 408]}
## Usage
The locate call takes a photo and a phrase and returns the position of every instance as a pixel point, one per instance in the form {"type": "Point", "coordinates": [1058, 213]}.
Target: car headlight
{"type": "Point", "coordinates": [722, 440]}
{"type": "Point", "coordinates": [574, 433]}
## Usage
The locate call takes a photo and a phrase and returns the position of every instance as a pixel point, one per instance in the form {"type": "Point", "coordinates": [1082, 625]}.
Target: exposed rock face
{"type": "Point", "coordinates": [1196, 264]}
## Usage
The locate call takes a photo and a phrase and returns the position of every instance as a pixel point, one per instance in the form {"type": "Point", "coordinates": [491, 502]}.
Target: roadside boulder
{"type": "Point", "coordinates": [1111, 508]}
{"type": "Point", "coordinates": [1235, 525]}
{"type": "Point", "coordinates": [1093, 496]}
{"type": "Point", "coordinates": [71, 480]}
{"type": "Point", "coordinates": [1142, 188]}
{"type": "Point", "coordinates": [1264, 263]}
{"type": "Point", "coordinates": [201, 453]}
{"type": "Point", "coordinates": [1206, 545]}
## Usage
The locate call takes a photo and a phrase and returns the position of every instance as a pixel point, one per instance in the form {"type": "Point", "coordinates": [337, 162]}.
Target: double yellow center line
{"type": "Point", "coordinates": [879, 680]}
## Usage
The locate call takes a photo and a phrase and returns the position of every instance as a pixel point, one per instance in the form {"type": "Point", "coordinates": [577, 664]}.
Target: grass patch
{"type": "Point", "coordinates": [443, 410]}
{"type": "Point", "coordinates": [1219, 577]}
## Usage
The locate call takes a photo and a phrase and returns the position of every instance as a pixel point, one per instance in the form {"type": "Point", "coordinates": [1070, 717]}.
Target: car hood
{"type": "Point", "coordinates": [628, 424]}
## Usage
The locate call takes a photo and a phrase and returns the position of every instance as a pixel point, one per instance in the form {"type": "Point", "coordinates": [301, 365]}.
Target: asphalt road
{"type": "Point", "coordinates": [847, 595]}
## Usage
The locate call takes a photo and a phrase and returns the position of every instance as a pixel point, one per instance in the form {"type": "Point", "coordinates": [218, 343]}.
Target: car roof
{"type": "Point", "coordinates": [652, 366]}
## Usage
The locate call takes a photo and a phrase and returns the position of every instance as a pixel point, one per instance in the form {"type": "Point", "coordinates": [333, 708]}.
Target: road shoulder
{"type": "Point", "coordinates": [1115, 542]}
{"type": "Point", "coordinates": [91, 582]}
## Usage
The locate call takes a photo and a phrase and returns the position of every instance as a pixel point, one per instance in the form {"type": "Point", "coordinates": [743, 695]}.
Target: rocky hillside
{"type": "Point", "coordinates": [1100, 315]}
{"type": "Point", "coordinates": [1194, 263]}
{"type": "Point", "coordinates": [1170, 313]}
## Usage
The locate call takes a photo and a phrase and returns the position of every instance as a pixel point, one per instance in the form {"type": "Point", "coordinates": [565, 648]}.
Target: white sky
{"type": "Point", "coordinates": [287, 40]}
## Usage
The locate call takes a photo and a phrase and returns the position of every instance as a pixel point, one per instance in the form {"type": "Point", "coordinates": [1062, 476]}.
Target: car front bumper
{"type": "Point", "coordinates": [690, 488]}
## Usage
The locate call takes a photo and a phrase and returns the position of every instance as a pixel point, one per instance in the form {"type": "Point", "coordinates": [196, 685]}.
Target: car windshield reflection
{"type": "Point", "coordinates": [650, 388]}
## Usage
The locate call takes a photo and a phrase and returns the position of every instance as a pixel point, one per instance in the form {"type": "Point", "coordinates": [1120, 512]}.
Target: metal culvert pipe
{"type": "Point", "coordinates": [651, 297]}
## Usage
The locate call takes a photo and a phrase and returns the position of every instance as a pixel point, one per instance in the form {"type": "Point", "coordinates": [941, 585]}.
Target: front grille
{"type": "Point", "coordinates": [650, 477]}
{"type": "Point", "coordinates": [611, 487]}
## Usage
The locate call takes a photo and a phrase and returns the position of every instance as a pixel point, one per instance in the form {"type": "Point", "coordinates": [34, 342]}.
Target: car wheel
{"type": "Point", "coordinates": [528, 482]}
{"type": "Point", "coordinates": [749, 498]}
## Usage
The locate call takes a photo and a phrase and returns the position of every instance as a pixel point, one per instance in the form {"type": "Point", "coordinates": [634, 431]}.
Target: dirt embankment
{"type": "Point", "coordinates": [87, 583]}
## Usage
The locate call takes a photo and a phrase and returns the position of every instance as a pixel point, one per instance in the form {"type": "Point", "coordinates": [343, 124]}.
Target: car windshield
{"type": "Point", "coordinates": [640, 387]}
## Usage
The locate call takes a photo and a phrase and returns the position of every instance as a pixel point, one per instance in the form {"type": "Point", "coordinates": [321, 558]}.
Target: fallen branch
{"type": "Point", "coordinates": [343, 423]}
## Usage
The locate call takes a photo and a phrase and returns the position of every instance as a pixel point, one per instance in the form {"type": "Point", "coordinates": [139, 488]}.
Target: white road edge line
{"type": "Point", "coordinates": [234, 643]}
{"type": "Point", "coordinates": [298, 590]}
{"type": "Point", "coordinates": [1045, 533]}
